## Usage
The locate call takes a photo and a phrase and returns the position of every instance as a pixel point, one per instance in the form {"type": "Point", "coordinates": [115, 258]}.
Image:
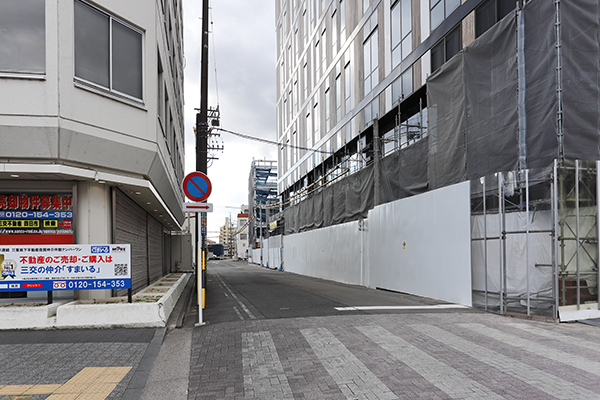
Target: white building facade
{"type": "Point", "coordinates": [91, 124]}
{"type": "Point", "coordinates": [241, 237]}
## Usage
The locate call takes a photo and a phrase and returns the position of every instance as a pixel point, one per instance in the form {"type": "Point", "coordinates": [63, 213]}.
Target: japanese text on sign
{"type": "Point", "coordinates": [65, 267]}
{"type": "Point", "coordinates": [35, 202]}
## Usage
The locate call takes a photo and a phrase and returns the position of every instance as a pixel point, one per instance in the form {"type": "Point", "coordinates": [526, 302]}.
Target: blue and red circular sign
{"type": "Point", "coordinates": [197, 186]}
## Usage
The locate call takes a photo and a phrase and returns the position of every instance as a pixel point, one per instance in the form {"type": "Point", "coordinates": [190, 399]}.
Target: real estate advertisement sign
{"type": "Point", "coordinates": [65, 267]}
{"type": "Point", "coordinates": [36, 219]}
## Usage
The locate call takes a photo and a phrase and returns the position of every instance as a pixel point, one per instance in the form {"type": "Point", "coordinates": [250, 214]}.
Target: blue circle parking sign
{"type": "Point", "coordinates": [197, 186]}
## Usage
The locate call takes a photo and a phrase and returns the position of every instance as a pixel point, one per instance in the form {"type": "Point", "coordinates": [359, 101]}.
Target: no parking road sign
{"type": "Point", "coordinates": [197, 186]}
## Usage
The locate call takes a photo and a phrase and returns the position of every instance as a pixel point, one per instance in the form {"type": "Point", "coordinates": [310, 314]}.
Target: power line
{"type": "Point", "coordinates": [244, 136]}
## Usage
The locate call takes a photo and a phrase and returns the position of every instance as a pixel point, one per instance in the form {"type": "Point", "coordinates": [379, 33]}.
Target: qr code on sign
{"type": "Point", "coordinates": [120, 269]}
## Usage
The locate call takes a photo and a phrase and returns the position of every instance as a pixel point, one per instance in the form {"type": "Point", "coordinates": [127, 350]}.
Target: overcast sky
{"type": "Point", "coordinates": [242, 47]}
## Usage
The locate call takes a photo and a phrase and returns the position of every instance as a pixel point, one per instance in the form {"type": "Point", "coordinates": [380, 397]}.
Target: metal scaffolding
{"type": "Point", "coordinates": [535, 241]}
{"type": "Point", "coordinates": [262, 195]}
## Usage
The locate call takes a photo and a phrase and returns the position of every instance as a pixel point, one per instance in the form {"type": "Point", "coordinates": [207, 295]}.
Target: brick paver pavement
{"type": "Point", "coordinates": [395, 356]}
{"type": "Point", "coordinates": [56, 364]}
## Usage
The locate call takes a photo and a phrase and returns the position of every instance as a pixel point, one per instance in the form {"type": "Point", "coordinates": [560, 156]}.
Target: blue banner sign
{"type": "Point", "coordinates": [65, 267]}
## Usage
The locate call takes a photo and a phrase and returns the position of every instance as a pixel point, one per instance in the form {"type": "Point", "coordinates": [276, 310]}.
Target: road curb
{"type": "Point", "coordinates": [140, 376]}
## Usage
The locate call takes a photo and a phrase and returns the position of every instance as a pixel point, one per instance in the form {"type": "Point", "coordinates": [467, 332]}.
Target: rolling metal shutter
{"type": "Point", "coordinates": [131, 227]}
{"type": "Point", "coordinates": [155, 249]}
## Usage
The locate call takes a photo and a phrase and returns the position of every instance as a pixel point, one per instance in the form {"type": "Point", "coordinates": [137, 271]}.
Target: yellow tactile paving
{"type": "Point", "coordinates": [113, 375]}
{"type": "Point", "coordinates": [91, 383]}
{"type": "Point", "coordinates": [14, 389]}
{"type": "Point", "coordinates": [67, 396]}
{"type": "Point", "coordinates": [42, 389]}
{"type": "Point", "coordinates": [72, 388]}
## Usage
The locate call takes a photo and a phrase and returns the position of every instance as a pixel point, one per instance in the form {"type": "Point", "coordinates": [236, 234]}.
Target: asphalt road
{"type": "Point", "coordinates": [238, 291]}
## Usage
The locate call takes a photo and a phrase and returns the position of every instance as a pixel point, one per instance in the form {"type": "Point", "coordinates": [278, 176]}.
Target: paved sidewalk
{"type": "Point", "coordinates": [64, 364]}
{"type": "Point", "coordinates": [170, 373]}
{"type": "Point", "coordinates": [402, 356]}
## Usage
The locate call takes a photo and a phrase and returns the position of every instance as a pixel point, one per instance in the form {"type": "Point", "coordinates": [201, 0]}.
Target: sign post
{"type": "Point", "coordinates": [197, 187]}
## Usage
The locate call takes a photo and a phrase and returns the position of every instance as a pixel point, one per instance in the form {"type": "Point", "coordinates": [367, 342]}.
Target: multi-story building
{"type": "Point", "coordinates": [342, 65]}
{"type": "Point", "coordinates": [416, 118]}
{"type": "Point", "coordinates": [91, 123]}
{"type": "Point", "coordinates": [227, 237]}
{"type": "Point", "coordinates": [241, 237]}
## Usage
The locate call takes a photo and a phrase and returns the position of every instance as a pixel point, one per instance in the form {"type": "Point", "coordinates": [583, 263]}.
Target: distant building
{"type": "Point", "coordinates": [262, 196]}
{"type": "Point", "coordinates": [227, 236]}
{"type": "Point", "coordinates": [91, 124]}
{"type": "Point", "coordinates": [241, 238]}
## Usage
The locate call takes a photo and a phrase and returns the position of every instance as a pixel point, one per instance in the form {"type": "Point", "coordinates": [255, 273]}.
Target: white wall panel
{"type": "Point", "coordinates": [332, 253]}
{"type": "Point", "coordinates": [421, 245]}
{"type": "Point", "coordinates": [256, 256]}
{"type": "Point", "coordinates": [274, 251]}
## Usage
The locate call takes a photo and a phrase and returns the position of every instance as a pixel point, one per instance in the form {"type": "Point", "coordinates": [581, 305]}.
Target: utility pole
{"type": "Point", "coordinates": [201, 159]}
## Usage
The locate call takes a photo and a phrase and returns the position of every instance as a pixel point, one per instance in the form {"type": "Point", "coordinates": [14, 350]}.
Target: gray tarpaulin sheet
{"type": "Point", "coordinates": [580, 39]}
{"type": "Point", "coordinates": [446, 110]}
{"type": "Point", "coordinates": [490, 73]}
{"type": "Point", "coordinates": [404, 174]}
{"type": "Point", "coordinates": [472, 108]}
{"type": "Point", "coordinates": [540, 72]}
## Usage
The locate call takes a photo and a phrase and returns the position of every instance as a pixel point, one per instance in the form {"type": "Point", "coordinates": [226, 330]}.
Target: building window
{"type": "Point", "coordinates": [401, 17]}
{"type": "Point", "coordinates": [490, 12]}
{"type": "Point", "coordinates": [309, 131]}
{"type": "Point", "coordinates": [23, 36]}
{"type": "Point", "coordinates": [371, 62]}
{"type": "Point", "coordinates": [347, 87]}
{"type": "Point", "coordinates": [306, 82]}
{"type": "Point", "coordinates": [108, 53]}
{"type": "Point", "coordinates": [403, 86]}
{"type": "Point", "coordinates": [295, 97]}
{"type": "Point", "coordinates": [317, 61]}
{"type": "Point", "coordinates": [304, 25]}
{"type": "Point", "coordinates": [334, 31]}
{"type": "Point", "coordinates": [317, 122]}
{"type": "Point", "coordinates": [446, 48]}
{"type": "Point", "coordinates": [371, 111]}
{"type": "Point", "coordinates": [161, 93]}
{"type": "Point", "coordinates": [327, 109]}
{"type": "Point", "coordinates": [338, 98]}
{"type": "Point", "coordinates": [440, 10]}
{"type": "Point", "coordinates": [342, 21]}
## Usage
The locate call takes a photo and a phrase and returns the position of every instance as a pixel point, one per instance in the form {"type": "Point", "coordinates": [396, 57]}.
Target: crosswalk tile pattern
{"type": "Point", "coordinates": [386, 357]}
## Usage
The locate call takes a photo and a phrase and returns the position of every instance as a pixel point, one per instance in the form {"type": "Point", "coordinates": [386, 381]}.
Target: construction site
{"type": "Point", "coordinates": [481, 187]}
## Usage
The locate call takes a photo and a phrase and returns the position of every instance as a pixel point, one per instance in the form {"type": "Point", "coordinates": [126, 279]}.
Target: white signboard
{"type": "Point", "coordinates": [197, 207]}
{"type": "Point", "coordinates": [65, 267]}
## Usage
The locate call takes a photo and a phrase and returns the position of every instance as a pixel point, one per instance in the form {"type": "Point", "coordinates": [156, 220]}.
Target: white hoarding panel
{"type": "Point", "coordinates": [332, 253]}
{"type": "Point", "coordinates": [422, 245]}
